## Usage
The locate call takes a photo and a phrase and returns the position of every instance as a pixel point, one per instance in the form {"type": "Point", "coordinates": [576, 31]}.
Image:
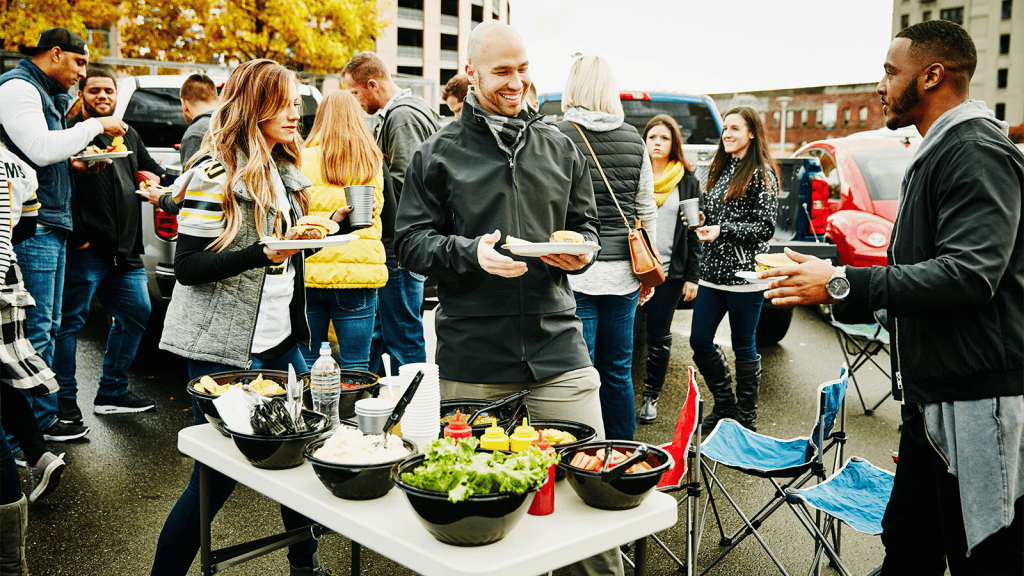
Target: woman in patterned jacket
{"type": "Point", "coordinates": [740, 206]}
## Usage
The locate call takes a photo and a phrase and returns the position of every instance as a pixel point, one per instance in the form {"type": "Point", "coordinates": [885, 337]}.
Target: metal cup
{"type": "Point", "coordinates": [360, 198]}
{"type": "Point", "coordinates": [691, 210]}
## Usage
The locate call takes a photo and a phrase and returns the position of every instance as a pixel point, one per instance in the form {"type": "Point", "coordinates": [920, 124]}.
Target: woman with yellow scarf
{"type": "Point", "coordinates": [678, 246]}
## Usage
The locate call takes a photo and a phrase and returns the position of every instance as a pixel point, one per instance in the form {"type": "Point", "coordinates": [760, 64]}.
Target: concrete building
{"type": "Point", "coordinates": [815, 113]}
{"type": "Point", "coordinates": [997, 27]}
{"type": "Point", "coordinates": [429, 38]}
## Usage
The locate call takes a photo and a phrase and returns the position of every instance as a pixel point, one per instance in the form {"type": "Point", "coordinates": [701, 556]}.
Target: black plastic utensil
{"type": "Point", "coordinates": [613, 473]}
{"type": "Point", "coordinates": [497, 404]}
{"type": "Point", "coordinates": [403, 403]}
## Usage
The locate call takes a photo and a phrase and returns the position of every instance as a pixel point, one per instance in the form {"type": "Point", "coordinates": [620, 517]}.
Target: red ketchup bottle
{"type": "Point", "coordinates": [458, 428]}
{"type": "Point", "coordinates": [544, 500]}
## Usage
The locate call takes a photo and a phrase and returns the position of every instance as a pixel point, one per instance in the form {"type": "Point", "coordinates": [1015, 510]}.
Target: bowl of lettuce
{"type": "Point", "coordinates": [467, 497]}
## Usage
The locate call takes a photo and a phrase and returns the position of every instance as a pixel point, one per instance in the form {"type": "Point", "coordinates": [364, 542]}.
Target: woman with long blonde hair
{"type": "Point", "coordinates": [342, 282]}
{"type": "Point", "coordinates": [237, 303]}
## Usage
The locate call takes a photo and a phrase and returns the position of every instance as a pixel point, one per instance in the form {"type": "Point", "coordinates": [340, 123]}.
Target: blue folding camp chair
{"type": "Point", "coordinates": [685, 451]}
{"type": "Point", "coordinates": [857, 495]}
{"type": "Point", "coordinates": [862, 342]}
{"type": "Point", "coordinates": [784, 463]}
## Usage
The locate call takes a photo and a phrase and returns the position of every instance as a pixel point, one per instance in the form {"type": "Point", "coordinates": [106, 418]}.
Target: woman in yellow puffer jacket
{"type": "Point", "coordinates": [342, 282]}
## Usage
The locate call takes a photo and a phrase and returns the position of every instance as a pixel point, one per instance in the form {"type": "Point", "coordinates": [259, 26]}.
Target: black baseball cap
{"type": "Point", "coordinates": [61, 37]}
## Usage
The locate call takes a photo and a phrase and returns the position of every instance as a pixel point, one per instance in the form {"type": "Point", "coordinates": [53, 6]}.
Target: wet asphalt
{"type": "Point", "coordinates": [125, 476]}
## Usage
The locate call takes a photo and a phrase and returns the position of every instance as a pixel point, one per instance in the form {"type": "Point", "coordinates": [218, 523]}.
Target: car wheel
{"type": "Point", "coordinates": [773, 325]}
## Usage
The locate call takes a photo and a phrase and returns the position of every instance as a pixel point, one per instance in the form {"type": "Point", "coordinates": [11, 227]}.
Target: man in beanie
{"type": "Point", "coordinates": [32, 125]}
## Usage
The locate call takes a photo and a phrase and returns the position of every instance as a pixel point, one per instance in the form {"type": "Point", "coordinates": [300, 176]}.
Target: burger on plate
{"type": "Point", "coordinates": [567, 236]}
{"type": "Point", "coordinates": [769, 261]}
{"type": "Point", "coordinates": [312, 228]}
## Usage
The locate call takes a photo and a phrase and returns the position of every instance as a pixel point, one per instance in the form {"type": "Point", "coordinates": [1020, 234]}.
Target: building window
{"type": "Point", "coordinates": [1001, 111]}
{"type": "Point", "coordinates": [803, 118]}
{"type": "Point", "coordinates": [775, 119]}
{"type": "Point", "coordinates": [477, 14]}
{"type": "Point", "coordinates": [955, 15]}
{"type": "Point", "coordinates": [926, 15]}
{"type": "Point", "coordinates": [414, 4]}
{"type": "Point", "coordinates": [862, 115]}
{"type": "Point", "coordinates": [846, 117]}
{"type": "Point", "coordinates": [789, 118]}
{"type": "Point", "coordinates": [1007, 9]}
{"type": "Point", "coordinates": [450, 7]}
{"type": "Point", "coordinates": [904, 21]}
{"type": "Point", "coordinates": [410, 37]}
{"type": "Point", "coordinates": [818, 114]}
{"type": "Point", "coordinates": [1001, 78]}
{"type": "Point", "coordinates": [1004, 44]}
{"type": "Point", "coordinates": [411, 70]}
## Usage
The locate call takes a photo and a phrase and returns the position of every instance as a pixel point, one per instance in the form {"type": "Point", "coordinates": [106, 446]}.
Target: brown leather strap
{"type": "Point", "coordinates": [603, 177]}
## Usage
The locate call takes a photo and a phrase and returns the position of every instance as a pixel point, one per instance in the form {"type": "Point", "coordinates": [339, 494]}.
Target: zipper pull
{"type": "Point", "coordinates": [899, 386]}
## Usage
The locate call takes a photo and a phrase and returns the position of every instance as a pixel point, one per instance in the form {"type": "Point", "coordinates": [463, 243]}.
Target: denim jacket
{"type": "Point", "coordinates": [55, 183]}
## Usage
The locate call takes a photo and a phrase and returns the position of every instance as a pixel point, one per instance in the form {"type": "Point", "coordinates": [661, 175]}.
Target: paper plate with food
{"type": "Point", "coordinates": [311, 232]}
{"type": "Point", "coordinates": [93, 153]}
{"type": "Point", "coordinates": [765, 262]}
{"type": "Point", "coordinates": [560, 242]}
{"type": "Point", "coordinates": [147, 186]}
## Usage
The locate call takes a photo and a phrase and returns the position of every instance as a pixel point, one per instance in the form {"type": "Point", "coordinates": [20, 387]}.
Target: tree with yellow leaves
{"type": "Point", "coordinates": [22, 21]}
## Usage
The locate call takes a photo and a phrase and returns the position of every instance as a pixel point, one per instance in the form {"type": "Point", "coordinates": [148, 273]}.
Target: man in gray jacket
{"type": "Point", "coordinates": [953, 289]}
{"type": "Point", "coordinates": [405, 121]}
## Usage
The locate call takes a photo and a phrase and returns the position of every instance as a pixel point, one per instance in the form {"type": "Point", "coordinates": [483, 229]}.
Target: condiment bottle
{"type": "Point", "coordinates": [494, 438]}
{"type": "Point", "coordinates": [544, 500]}
{"type": "Point", "coordinates": [522, 437]}
{"type": "Point", "coordinates": [458, 428]}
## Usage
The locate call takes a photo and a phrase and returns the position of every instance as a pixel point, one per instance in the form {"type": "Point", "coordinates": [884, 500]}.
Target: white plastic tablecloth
{"type": "Point", "coordinates": [389, 526]}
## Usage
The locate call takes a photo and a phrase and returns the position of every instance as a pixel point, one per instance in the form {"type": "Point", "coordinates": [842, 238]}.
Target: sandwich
{"type": "Point", "coordinates": [312, 228]}
{"type": "Point", "coordinates": [769, 261]}
{"type": "Point", "coordinates": [567, 236]}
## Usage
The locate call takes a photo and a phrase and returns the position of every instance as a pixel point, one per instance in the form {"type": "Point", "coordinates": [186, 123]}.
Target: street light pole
{"type": "Point", "coordinates": [784, 101]}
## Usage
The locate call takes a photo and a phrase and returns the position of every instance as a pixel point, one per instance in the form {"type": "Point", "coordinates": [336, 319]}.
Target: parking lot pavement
{"type": "Point", "coordinates": [124, 477]}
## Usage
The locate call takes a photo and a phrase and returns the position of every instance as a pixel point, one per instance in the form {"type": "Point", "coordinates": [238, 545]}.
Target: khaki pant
{"type": "Point", "coordinates": [571, 396]}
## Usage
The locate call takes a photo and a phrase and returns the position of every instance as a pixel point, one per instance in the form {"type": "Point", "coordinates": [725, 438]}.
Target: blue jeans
{"type": "Point", "coordinates": [608, 332]}
{"type": "Point", "coordinates": [352, 313]}
{"type": "Point", "coordinates": [709, 309]}
{"type": "Point", "coordinates": [123, 293]}
{"type": "Point", "coordinates": [41, 258]}
{"type": "Point", "coordinates": [398, 329]}
{"type": "Point", "coordinates": [179, 539]}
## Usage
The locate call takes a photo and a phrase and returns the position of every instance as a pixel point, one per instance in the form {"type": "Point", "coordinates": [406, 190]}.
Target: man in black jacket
{"type": "Point", "coordinates": [504, 324]}
{"type": "Point", "coordinates": [104, 259]}
{"type": "Point", "coordinates": [953, 290]}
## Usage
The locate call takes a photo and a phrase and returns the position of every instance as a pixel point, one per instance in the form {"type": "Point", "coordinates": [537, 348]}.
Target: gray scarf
{"type": "Point", "coordinates": [509, 131]}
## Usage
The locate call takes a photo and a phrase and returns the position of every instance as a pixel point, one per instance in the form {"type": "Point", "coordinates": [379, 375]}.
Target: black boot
{"type": "Point", "coordinates": [659, 351]}
{"type": "Point", "coordinates": [748, 381]}
{"type": "Point", "coordinates": [715, 371]}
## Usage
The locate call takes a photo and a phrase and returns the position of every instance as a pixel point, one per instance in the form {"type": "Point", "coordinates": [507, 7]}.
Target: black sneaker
{"type": "Point", "coordinates": [67, 411]}
{"type": "Point", "coordinates": [62, 432]}
{"type": "Point", "coordinates": [19, 458]}
{"type": "Point", "coordinates": [126, 404]}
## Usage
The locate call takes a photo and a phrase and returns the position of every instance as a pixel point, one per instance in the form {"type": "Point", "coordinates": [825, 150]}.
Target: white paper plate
{"type": "Point", "coordinates": [339, 240]}
{"type": "Point", "coordinates": [548, 248]}
{"type": "Point", "coordinates": [103, 156]}
{"type": "Point", "coordinates": [753, 279]}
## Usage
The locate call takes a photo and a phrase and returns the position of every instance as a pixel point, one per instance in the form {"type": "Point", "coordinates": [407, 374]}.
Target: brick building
{"type": "Point", "coordinates": [816, 113]}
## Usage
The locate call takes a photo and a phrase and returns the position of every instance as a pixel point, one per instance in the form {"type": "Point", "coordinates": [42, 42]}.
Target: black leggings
{"type": "Point", "coordinates": [18, 419]}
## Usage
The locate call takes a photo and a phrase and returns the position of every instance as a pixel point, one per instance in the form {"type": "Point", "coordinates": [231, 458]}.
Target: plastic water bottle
{"type": "Point", "coordinates": [325, 384]}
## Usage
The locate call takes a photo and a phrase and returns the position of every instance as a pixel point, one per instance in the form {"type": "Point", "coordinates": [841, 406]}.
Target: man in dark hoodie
{"type": "Point", "coordinates": [405, 122]}
{"type": "Point", "coordinates": [104, 259]}
{"type": "Point", "coordinates": [953, 290]}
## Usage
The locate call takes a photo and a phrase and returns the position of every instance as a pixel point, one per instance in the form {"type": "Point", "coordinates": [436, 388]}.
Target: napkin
{"type": "Point", "coordinates": [235, 407]}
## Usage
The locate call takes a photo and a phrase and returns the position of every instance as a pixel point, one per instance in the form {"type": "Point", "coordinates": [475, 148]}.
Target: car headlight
{"type": "Point", "coordinates": [876, 240]}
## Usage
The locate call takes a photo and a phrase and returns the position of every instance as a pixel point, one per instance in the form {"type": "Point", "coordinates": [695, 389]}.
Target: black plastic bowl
{"type": "Point", "coordinates": [277, 452]}
{"type": "Point", "coordinates": [478, 520]}
{"type": "Point", "coordinates": [467, 406]}
{"type": "Point", "coordinates": [205, 401]}
{"type": "Point", "coordinates": [582, 432]}
{"type": "Point", "coordinates": [353, 481]}
{"type": "Point", "coordinates": [349, 396]}
{"type": "Point", "coordinates": [625, 492]}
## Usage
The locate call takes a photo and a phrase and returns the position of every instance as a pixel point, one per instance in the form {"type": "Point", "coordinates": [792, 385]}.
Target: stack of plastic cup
{"type": "Point", "coordinates": [421, 422]}
{"type": "Point", "coordinates": [360, 198]}
{"type": "Point", "coordinates": [373, 413]}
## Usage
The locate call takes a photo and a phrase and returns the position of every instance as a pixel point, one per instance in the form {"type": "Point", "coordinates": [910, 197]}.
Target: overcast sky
{"type": "Point", "coordinates": [708, 46]}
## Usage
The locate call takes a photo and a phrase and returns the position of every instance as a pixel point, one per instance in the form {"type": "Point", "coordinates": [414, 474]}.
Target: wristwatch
{"type": "Point", "coordinates": [838, 287]}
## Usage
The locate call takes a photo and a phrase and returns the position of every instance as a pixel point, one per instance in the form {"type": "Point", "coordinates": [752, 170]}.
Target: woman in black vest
{"type": "Point", "coordinates": [678, 247]}
{"type": "Point", "coordinates": [608, 292]}
{"type": "Point", "coordinates": [740, 210]}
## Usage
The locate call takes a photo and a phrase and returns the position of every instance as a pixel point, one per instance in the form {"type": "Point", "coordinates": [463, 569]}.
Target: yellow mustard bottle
{"type": "Point", "coordinates": [494, 438]}
{"type": "Point", "coordinates": [522, 437]}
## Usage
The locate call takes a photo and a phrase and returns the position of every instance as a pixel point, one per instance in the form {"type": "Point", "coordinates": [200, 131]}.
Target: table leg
{"type": "Point", "coordinates": [640, 557]}
{"type": "Point", "coordinates": [204, 519]}
{"type": "Point", "coordinates": [356, 549]}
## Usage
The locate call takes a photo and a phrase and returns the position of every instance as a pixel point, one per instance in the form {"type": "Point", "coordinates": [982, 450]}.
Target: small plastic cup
{"type": "Point", "coordinates": [360, 198]}
{"type": "Point", "coordinates": [691, 210]}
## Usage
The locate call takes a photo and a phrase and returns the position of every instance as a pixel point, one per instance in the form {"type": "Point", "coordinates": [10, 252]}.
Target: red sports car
{"type": "Point", "coordinates": [864, 175]}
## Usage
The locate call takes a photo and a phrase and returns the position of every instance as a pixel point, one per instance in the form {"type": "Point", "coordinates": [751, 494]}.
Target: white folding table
{"type": "Point", "coordinates": [389, 526]}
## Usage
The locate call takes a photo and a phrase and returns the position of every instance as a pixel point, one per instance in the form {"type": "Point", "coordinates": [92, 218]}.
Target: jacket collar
{"type": "Point", "coordinates": [293, 178]}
